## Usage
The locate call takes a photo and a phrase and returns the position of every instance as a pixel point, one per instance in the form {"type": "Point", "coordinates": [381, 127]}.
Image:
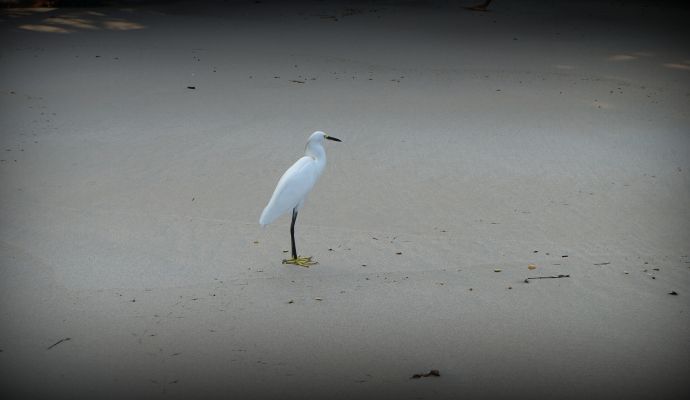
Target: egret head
{"type": "Point", "coordinates": [319, 136]}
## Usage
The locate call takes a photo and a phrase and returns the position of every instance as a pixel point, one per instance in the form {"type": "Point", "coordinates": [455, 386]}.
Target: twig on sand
{"type": "Point", "coordinates": [58, 342]}
{"type": "Point", "coordinates": [433, 372]}
{"type": "Point", "coordinates": [603, 263]}
{"type": "Point", "coordinates": [547, 277]}
{"type": "Point", "coordinates": [480, 7]}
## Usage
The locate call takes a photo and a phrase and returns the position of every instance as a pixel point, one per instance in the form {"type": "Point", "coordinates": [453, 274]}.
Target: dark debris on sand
{"type": "Point", "coordinates": [433, 372]}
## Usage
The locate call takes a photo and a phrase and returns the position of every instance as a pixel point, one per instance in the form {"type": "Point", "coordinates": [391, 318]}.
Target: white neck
{"type": "Point", "coordinates": [317, 152]}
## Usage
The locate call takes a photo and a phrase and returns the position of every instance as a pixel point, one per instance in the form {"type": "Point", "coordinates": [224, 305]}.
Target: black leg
{"type": "Point", "coordinates": [292, 233]}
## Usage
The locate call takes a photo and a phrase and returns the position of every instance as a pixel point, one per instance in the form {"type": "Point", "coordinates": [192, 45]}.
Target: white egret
{"type": "Point", "coordinates": [293, 188]}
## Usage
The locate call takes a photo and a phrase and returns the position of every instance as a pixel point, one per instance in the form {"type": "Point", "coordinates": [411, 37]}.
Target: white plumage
{"type": "Point", "coordinates": [292, 189]}
{"type": "Point", "coordinates": [294, 186]}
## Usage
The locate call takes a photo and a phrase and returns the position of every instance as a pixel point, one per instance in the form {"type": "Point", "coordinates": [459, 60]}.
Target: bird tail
{"type": "Point", "coordinates": [265, 218]}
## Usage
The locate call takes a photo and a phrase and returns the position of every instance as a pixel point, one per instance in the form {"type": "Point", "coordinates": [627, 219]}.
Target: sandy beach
{"type": "Point", "coordinates": [141, 141]}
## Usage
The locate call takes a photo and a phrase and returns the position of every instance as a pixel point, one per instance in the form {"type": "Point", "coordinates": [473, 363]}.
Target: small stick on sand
{"type": "Point", "coordinates": [58, 342]}
{"type": "Point", "coordinates": [480, 7]}
{"type": "Point", "coordinates": [547, 277]}
{"type": "Point", "coordinates": [433, 372]}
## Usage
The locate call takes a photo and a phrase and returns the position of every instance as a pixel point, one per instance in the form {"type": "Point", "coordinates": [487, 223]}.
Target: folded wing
{"type": "Point", "coordinates": [291, 190]}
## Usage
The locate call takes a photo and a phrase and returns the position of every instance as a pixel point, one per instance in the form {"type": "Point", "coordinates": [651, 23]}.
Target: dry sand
{"type": "Point", "coordinates": [537, 133]}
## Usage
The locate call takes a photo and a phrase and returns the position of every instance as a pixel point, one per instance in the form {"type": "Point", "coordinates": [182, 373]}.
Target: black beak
{"type": "Point", "coordinates": [332, 138]}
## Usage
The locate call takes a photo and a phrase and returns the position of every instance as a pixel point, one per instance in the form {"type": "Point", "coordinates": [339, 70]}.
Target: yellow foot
{"type": "Point", "coordinates": [301, 261]}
